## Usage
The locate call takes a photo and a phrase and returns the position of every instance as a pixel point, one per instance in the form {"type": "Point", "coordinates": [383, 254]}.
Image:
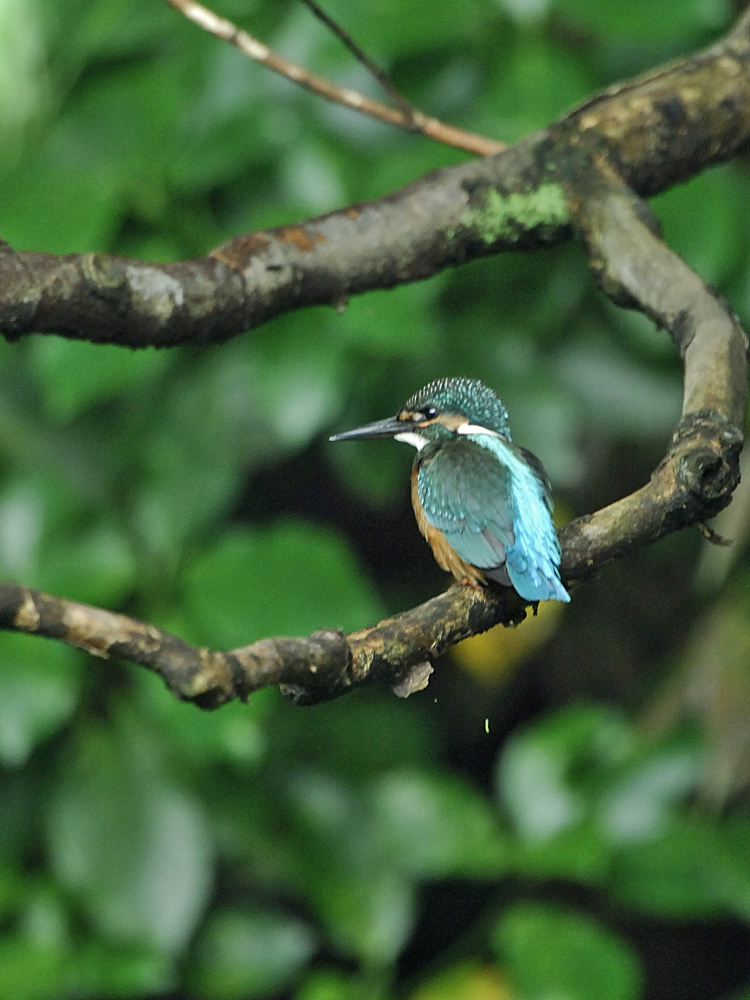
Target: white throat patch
{"type": "Point", "coordinates": [411, 437]}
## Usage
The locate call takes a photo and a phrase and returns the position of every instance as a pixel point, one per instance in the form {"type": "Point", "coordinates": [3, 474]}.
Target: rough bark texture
{"type": "Point", "coordinates": [584, 175]}
{"type": "Point", "coordinates": [655, 131]}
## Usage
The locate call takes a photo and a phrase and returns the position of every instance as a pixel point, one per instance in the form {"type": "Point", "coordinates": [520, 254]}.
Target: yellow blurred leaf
{"type": "Point", "coordinates": [491, 655]}
{"type": "Point", "coordinates": [467, 982]}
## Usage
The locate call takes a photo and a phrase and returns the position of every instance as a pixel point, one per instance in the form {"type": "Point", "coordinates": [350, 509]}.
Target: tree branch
{"type": "Point", "coordinates": [696, 478]}
{"type": "Point", "coordinates": [656, 131]}
{"type": "Point", "coordinates": [410, 113]}
{"type": "Point", "coordinates": [317, 668]}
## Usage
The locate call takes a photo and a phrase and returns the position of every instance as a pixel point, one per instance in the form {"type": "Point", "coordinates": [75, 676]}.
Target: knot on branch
{"type": "Point", "coordinates": [318, 668]}
{"type": "Point", "coordinates": [708, 449]}
{"type": "Point", "coordinates": [105, 278]}
{"type": "Point", "coordinates": [209, 679]}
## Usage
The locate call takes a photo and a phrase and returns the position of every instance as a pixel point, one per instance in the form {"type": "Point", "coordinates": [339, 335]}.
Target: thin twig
{"type": "Point", "coordinates": [372, 68]}
{"type": "Point", "coordinates": [414, 121]}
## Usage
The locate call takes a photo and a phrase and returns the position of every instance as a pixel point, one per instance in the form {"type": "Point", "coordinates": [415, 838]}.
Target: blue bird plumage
{"type": "Point", "coordinates": [483, 504]}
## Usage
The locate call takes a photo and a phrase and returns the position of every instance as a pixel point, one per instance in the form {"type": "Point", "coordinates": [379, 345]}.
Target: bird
{"type": "Point", "coordinates": [483, 504]}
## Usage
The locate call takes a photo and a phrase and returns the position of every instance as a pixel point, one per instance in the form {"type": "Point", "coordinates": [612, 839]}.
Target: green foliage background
{"type": "Point", "coordinates": [591, 839]}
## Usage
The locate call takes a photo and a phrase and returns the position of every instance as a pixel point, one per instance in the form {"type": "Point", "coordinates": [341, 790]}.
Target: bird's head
{"type": "Point", "coordinates": [444, 409]}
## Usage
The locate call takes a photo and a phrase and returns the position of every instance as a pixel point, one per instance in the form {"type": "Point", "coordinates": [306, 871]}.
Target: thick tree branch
{"type": "Point", "coordinates": [701, 469]}
{"type": "Point", "coordinates": [313, 669]}
{"type": "Point", "coordinates": [656, 131]}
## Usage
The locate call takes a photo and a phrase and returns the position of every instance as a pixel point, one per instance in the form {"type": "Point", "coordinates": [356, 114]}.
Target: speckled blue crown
{"type": "Point", "coordinates": [466, 396]}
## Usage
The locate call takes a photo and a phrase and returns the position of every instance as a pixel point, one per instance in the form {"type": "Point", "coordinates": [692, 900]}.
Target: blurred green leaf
{"type": "Point", "coordinates": [646, 19]}
{"type": "Point", "coordinates": [250, 954]}
{"type": "Point", "coordinates": [692, 870]}
{"type": "Point", "coordinates": [311, 179]}
{"type": "Point", "coordinates": [10, 890]}
{"type": "Point", "coordinates": [620, 395]}
{"type": "Point", "coordinates": [393, 323]}
{"type": "Point", "coordinates": [291, 579]}
{"type": "Point", "coordinates": [43, 544]}
{"type": "Point", "coordinates": [354, 738]}
{"type": "Point", "coordinates": [373, 471]}
{"type": "Point", "coordinates": [534, 790]}
{"type": "Point", "coordinates": [122, 125]}
{"type": "Point", "coordinates": [299, 386]}
{"type": "Point", "coordinates": [639, 805]}
{"type": "Point", "coordinates": [97, 567]}
{"type": "Point", "coordinates": [75, 374]}
{"type": "Point", "coordinates": [578, 786]}
{"type": "Point", "coordinates": [103, 971]}
{"type": "Point", "coordinates": [33, 508]}
{"type": "Point", "coordinates": [197, 442]}
{"type": "Point", "coordinates": [437, 827]}
{"type": "Point", "coordinates": [129, 843]}
{"type": "Point", "coordinates": [43, 917]}
{"type": "Point", "coordinates": [407, 159]}
{"type": "Point", "coordinates": [57, 208]}
{"type": "Point", "coordinates": [39, 685]}
{"type": "Point", "coordinates": [20, 790]}
{"type": "Point", "coordinates": [89, 30]}
{"type": "Point", "coordinates": [699, 221]}
{"type": "Point", "coordinates": [535, 83]}
{"type": "Point", "coordinates": [550, 952]}
{"type": "Point", "coordinates": [31, 972]}
{"type": "Point", "coordinates": [363, 898]}
{"type": "Point", "coordinates": [327, 984]}
{"type": "Point", "coordinates": [189, 484]}
{"type": "Point", "coordinates": [330, 812]}
{"type": "Point", "coordinates": [385, 28]}
{"type": "Point", "coordinates": [23, 81]}
{"type": "Point", "coordinates": [235, 734]}
{"type": "Point", "coordinates": [547, 772]}
{"type": "Point", "coordinates": [368, 916]}
{"type": "Point", "coordinates": [580, 854]}
{"type": "Point", "coordinates": [34, 950]}
{"type": "Point", "coordinates": [213, 144]}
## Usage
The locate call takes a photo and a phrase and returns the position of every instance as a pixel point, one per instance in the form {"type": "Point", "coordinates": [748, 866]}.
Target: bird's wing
{"type": "Point", "coordinates": [493, 506]}
{"type": "Point", "coordinates": [541, 474]}
{"type": "Point", "coordinates": [465, 493]}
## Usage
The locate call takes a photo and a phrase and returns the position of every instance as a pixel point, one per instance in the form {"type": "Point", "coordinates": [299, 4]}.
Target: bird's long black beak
{"type": "Point", "coordinates": [379, 429]}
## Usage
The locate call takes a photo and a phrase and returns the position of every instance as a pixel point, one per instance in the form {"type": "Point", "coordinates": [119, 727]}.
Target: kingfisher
{"type": "Point", "coordinates": [483, 504]}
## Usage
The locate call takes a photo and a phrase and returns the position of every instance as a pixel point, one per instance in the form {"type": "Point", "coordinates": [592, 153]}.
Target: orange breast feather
{"type": "Point", "coordinates": [445, 556]}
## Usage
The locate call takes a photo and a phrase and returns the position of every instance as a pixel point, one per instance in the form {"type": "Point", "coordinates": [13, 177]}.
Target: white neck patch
{"type": "Point", "coordinates": [411, 437]}
{"type": "Point", "coordinates": [476, 429]}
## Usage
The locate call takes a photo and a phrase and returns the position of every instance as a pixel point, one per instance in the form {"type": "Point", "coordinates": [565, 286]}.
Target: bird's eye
{"type": "Point", "coordinates": [429, 412]}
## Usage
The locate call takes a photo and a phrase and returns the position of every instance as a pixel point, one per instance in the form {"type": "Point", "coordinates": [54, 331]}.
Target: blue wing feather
{"type": "Point", "coordinates": [493, 506]}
